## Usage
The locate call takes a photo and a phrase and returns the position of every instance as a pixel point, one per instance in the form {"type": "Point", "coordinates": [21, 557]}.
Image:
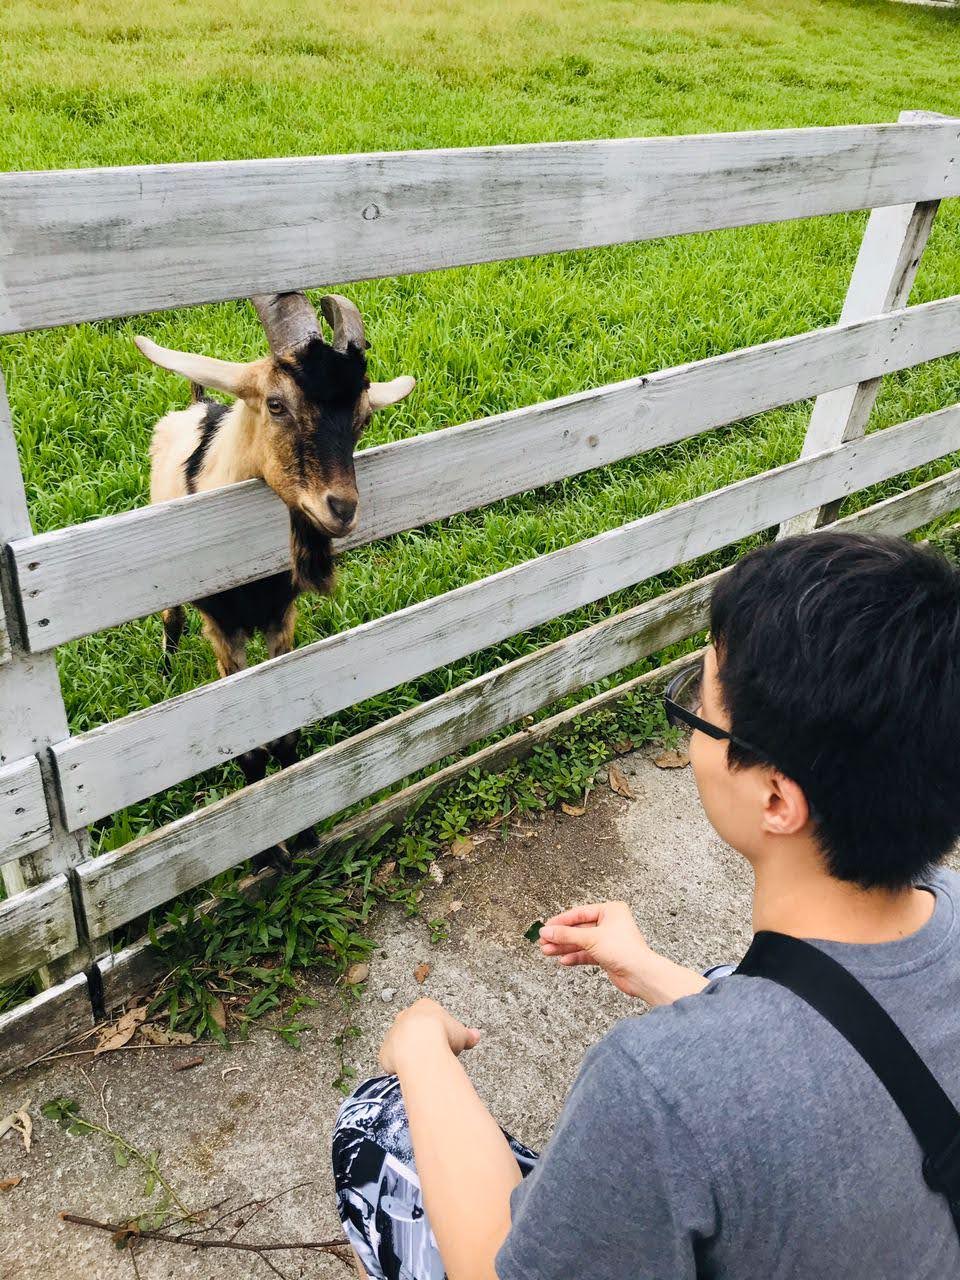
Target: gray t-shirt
{"type": "Point", "coordinates": [736, 1135]}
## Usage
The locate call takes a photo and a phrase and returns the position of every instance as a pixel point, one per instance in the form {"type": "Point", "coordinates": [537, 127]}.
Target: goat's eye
{"type": "Point", "coordinates": [276, 406]}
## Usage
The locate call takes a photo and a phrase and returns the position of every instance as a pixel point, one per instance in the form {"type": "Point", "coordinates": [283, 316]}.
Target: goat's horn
{"type": "Point", "coordinates": [345, 320]}
{"type": "Point", "coordinates": [288, 319]}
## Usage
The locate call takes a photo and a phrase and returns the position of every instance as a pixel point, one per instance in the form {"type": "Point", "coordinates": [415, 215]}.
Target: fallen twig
{"type": "Point", "coordinates": [261, 1205]}
{"type": "Point", "coordinates": [123, 1233]}
{"type": "Point", "coordinates": [198, 1061]}
{"type": "Point", "coordinates": [128, 1048]}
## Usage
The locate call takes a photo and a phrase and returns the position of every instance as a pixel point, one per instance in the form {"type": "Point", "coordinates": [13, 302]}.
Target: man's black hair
{"type": "Point", "coordinates": [839, 656]}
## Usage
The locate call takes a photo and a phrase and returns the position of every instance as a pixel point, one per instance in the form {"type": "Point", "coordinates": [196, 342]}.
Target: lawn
{"type": "Point", "coordinates": [98, 84]}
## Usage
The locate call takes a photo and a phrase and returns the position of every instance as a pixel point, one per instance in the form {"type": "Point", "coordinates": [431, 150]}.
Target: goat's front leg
{"type": "Point", "coordinates": [279, 640]}
{"type": "Point", "coordinates": [230, 651]}
{"type": "Point", "coordinates": [174, 621]}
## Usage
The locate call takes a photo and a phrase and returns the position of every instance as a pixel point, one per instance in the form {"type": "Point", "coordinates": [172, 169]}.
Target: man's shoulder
{"type": "Point", "coordinates": [719, 1023]}
{"type": "Point", "coordinates": [739, 1035]}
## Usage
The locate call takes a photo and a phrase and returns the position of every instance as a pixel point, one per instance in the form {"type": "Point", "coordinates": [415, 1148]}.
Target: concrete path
{"type": "Point", "coordinates": [255, 1130]}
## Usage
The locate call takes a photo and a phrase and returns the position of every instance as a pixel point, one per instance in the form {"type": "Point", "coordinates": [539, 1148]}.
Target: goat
{"type": "Point", "coordinates": [297, 416]}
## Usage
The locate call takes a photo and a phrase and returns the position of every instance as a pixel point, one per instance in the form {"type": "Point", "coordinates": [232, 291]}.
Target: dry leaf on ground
{"type": "Point", "coordinates": [623, 746]}
{"type": "Point", "coordinates": [24, 1127]}
{"type": "Point", "coordinates": [19, 1121]}
{"type": "Point", "coordinates": [452, 908]}
{"type": "Point", "coordinates": [618, 782]}
{"type": "Point", "coordinates": [434, 872]}
{"type": "Point", "coordinates": [119, 1032]}
{"type": "Point", "coordinates": [218, 1013]}
{"type": "Point", "coordinates": [356, 974]}
{"type": "Point", "coordinates": [672, 760]}
{"type": "Point", "coordinates": [162, 1036]}
{"type": "Point", "coordinates": [7, 1184]}
{"type": "Point", "coordinates": [421, 972]}
{"type": "Point", "coordinates": [574, 810]}
{"type": "Point", "coordinates": [462, 847]}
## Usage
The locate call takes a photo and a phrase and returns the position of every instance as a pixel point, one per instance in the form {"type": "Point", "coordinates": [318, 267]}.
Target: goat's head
{"type": "Point", "coordinates": [310, 400]}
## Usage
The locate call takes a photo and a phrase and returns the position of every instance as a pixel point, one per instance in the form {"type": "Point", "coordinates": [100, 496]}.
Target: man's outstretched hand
{"type": "Point", "coordinates": [606, 934]}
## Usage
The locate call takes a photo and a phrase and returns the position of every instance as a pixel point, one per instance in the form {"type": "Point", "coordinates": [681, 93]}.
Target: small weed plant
{"type": "Point", "coordinates": [315, 915]}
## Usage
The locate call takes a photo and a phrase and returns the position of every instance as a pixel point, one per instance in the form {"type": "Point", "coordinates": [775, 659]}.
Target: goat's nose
{"type": "Point", "coordinates": [343, 509]}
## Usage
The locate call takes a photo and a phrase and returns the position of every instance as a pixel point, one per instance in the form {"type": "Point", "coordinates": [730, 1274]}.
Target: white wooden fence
{"type": "Point", "coordinates": [89, 244]}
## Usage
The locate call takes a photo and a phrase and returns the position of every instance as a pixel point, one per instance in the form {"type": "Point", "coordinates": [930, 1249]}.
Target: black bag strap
{"type": "Point", "coordinates": [845, 1003]}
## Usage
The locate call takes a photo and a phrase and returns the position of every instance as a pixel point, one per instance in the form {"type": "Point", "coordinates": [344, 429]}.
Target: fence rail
{"type": "Point", "coordinates": [86, 244]}
{"type": "Point", "coordinates": [76, 581]}
{"type": "Point", "coordinates": [122, 762]}
{"type": "Point", "coordinates": [24, 823]}
{"type": "Point", "coordinates": [90, 244]}
{"type": "Point", "coordinates": [36, 926]}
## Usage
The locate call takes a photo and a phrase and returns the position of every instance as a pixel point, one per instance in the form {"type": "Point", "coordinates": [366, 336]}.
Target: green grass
{"type": "Point", "coordinates": [93, 85]}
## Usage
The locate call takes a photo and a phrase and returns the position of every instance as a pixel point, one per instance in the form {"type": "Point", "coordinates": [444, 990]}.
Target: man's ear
{"type": "Point", "coordinates": [785, 810]}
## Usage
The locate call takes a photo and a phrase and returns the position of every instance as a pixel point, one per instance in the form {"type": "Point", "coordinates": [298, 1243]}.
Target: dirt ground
{"type": "Point", "coordinates": [255, 1119]}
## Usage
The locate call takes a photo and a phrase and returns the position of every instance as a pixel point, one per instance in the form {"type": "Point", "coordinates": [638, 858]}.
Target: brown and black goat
{"type": "Point", "coordinates": [297, 416]}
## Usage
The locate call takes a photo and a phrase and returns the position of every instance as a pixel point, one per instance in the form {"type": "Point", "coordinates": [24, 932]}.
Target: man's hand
{"type": "Point", "coordinates": [423, 1025]}
{"type": "Point", "coordinates": [606, 934]}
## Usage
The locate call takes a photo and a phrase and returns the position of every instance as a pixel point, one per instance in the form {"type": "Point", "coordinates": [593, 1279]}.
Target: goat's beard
{"type": "Point", "coordinates": [311, 554]}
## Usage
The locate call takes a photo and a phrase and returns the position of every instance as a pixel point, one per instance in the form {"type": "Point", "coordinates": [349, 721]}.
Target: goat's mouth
{"type": "Point", "coordinates": [326, 520]}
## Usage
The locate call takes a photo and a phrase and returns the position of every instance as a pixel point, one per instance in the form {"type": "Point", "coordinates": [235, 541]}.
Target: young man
{"type": "Point", "coordinates": [732, 1132]}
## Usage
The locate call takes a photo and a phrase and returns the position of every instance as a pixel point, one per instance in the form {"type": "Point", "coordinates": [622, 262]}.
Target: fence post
{"type": "Point", "coordinates": [32, 713]}
{"type": "Point", "coordinates": [886, 267]}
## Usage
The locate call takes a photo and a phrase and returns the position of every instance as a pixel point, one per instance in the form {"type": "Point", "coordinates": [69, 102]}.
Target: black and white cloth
{"type": "Point", "coordinates": [378, 1191]}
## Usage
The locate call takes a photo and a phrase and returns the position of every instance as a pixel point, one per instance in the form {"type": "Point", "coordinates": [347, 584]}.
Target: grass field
{"type": "Point", "coordinates": [91, 85]}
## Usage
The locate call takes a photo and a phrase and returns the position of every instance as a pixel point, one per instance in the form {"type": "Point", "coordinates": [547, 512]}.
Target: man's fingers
{"type": "Point", "coordinates": [588, 914]}
{"type": "Point", "coordinates": [578, 935]}
{"type": "Point", "coordinates": [577, 957]}
{"type": "Point", "coordinates": [560, 948]}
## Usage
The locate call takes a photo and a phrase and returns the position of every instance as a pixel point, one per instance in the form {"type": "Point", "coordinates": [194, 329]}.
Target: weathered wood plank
{"type": "Point", "coordinates": [38, 1026]}
{"type": "Point", "coordinates": [186, 853]}
{"type": "Point", "coordinates": [909, 510]}
{"type": "Point", "coordinates": [32, 713]}
{"type": "Point", "coordinates": [36, 927]}
{"type": "Point", "coordinates": [883, 276]}
{"type": "Point", "coordinates": [77, 580]}
{"type": "Point", "coordinates": [5, 647]}
{"type": "Point", "coordinates": [206, 842]}
{"type": "Point", "coordinates": [24, 822]}
{"type": "Point", "coordinates": [500, 697]}
{"type": "Point", "coordinates": [88, 244]}
{"type": "Point", "coordinates": [391, 811]}
{"type": "Point", "coordinates": [136, 969]}
{"type": "Point", "coordinates": [119, 763]}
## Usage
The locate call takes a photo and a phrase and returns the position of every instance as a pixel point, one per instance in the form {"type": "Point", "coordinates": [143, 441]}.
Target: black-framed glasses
{"type": "Point", "coordinates": [682, 700]}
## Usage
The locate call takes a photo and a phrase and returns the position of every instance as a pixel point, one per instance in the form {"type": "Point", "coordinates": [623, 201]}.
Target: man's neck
{"type": "Point", "coordinates": [794, 895]}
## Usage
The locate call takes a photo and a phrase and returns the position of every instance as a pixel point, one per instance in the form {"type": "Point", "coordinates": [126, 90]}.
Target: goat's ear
{"type": "Point", "coordinates": [222, 375]}
{"type": "Point", "coordinates": [381, 394]}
